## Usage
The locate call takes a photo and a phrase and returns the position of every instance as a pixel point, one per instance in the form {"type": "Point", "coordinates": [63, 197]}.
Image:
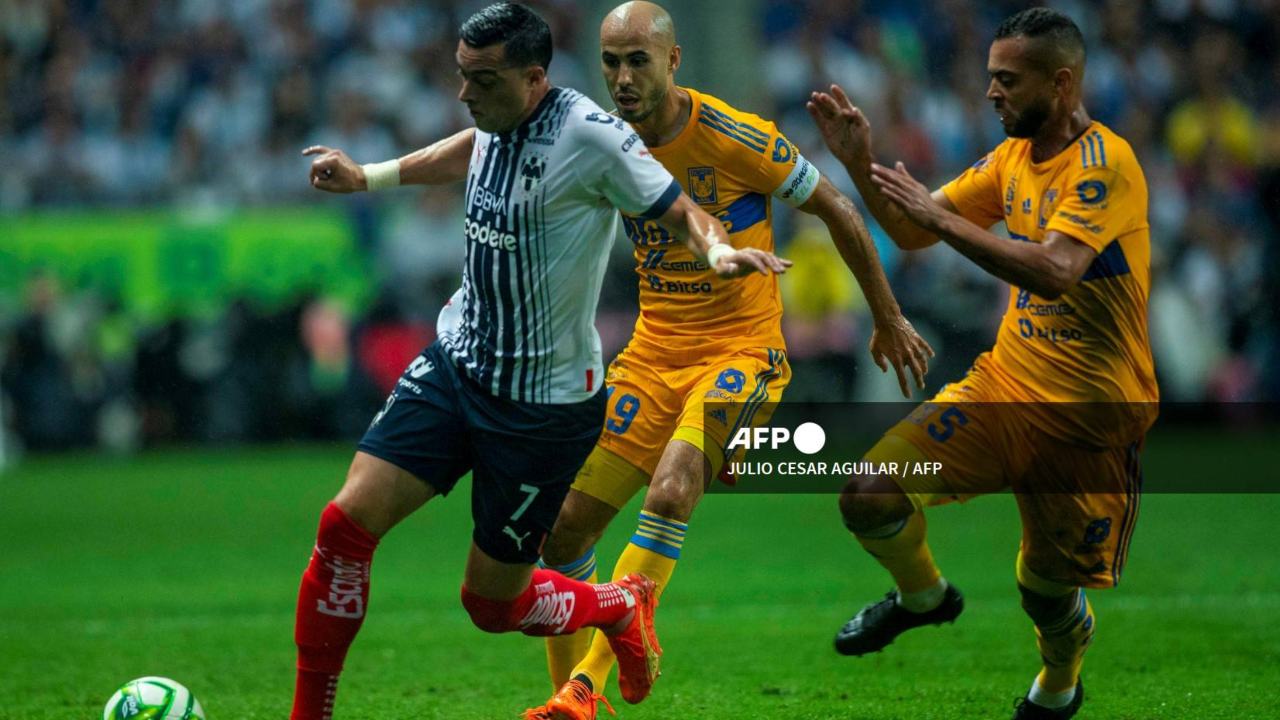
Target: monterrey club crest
{"type": "Point", "coordinates": [531, 170]}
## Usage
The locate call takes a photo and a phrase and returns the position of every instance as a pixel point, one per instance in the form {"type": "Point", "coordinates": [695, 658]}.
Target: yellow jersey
{"type": "Point", "coordinates": [731, 163]}
{"type": "Point", "coordinates": [1089, 346]}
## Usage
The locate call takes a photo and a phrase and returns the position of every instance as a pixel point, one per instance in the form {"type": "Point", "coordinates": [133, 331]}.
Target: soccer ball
{"type": "Point", "coordinates": [153, 698]}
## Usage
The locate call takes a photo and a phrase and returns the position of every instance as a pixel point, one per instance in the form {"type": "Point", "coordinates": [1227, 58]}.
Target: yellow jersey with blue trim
{"type": "Point", "coordinates": [1090, 346]}
{"type": "Point", "coordinates": [731, 163]}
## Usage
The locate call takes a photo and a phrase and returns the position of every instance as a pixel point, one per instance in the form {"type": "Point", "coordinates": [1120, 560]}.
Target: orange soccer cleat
{"type": "Point", "coordinates": [575, 700]}
{"type": "Point", "coordinates": [636, 646]}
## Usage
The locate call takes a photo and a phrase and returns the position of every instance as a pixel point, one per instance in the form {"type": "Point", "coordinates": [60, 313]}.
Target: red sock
{"type": "Point", "coordinates": [331, 606]}
{"type": "Point", "coordinates": [551, 605]}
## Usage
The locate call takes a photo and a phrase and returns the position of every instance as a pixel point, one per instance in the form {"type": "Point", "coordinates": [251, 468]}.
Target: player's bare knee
{"type": "Point", "coordinates": [355, 500]}
{"type": "Point", "coordinates": [674, 495]}
{"type": "Point", "coordinates": [868, 502]}
{"type": "Point", "coordinates": [377, 495]}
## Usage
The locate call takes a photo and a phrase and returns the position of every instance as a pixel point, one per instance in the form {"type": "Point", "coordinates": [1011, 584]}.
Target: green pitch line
{"type": "Point", "coordinates": [186, 564]}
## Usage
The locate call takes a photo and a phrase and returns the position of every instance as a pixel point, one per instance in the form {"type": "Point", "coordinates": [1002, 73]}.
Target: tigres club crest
{"type": "Point", "coordinates": [531, 170]}
{"type": "Point", "coordinates": [1009, 194]}
{"type": "Point", "coordinates": [1047, 201]}
{"type": "Point", "coordinates": [702, 185]}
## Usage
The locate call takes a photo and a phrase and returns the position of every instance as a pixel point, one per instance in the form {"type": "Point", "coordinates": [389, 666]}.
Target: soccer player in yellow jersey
{"type": "Point", "coordinates": [1058, 409]}
{"type": "Point", "coordinates": [697, 339]}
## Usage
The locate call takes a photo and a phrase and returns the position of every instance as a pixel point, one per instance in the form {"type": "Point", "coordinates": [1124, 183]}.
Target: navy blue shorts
{"type": "Point", "coordinates": [438, 424]}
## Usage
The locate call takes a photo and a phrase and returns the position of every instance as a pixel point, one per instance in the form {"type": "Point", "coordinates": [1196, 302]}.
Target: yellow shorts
{"type": "Point", "coordinates": [1078, 505]}
{"type": "Point", "coordinates": [652, 403]}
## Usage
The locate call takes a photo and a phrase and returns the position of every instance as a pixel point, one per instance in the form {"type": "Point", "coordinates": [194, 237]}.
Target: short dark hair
{"type": "Point", "coordinates": [524, 32]}
{"type": "Point", "coordinates": [1041, 23]}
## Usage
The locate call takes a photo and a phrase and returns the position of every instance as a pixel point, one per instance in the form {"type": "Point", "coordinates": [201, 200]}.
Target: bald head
{"type": "Point", "coordinates": [639, 58]}
{"type": "Point", "coordinates": [639, 23]}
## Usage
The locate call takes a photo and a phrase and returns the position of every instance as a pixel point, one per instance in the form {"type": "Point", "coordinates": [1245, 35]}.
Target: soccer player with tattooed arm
{"type": "Point", "coordinates": [1058, 409]}
{"type": "Point", "coordinates": [512, 391]}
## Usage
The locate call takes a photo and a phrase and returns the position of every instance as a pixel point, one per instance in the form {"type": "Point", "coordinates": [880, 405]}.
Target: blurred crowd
{"type": "Point", "coordinates": [144, 103]}
{"type": "Point", "coordinates": [1193, 85]}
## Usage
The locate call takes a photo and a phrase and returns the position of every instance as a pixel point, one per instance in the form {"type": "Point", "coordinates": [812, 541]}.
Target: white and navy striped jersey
{"type": "Point", "coordinates": [541, 213]}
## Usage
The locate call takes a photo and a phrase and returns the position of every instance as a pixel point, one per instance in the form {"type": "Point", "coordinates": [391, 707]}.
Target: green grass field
{"type": "Point", "coordinates": [186, 564]}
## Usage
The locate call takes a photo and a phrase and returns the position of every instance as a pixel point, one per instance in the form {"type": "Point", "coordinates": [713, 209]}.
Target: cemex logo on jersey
{"type": "Point", "coordinates": [808, 438]}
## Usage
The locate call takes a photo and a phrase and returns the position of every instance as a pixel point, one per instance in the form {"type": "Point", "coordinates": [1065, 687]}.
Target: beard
{"type": "Point", "coordinates": [647, 106]}
{"type": "Point", "coordinates": [638, 115]}
{"type": "Point", "coordinates": [1030, 120]}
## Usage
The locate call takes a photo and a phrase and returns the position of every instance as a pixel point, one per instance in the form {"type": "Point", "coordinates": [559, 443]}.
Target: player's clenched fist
{"type": "Point", "coordinates": [333, 171]}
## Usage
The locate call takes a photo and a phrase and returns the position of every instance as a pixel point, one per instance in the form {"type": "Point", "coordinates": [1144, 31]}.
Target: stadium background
{"type": "Point", "coordinates": [166, 273]}
{"type": "Point", "coordinates": [176, 305]}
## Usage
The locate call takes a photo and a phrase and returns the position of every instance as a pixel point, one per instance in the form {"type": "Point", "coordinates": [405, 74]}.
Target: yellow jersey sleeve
{"type": "Point", "coordinates": [784, 172]}
{"type": "Point", "coordinates": [1098, 206]}
{"type": "Point", "coordinates": [976, 192]}
{"type": "Point", "coordinates": [772, 165]}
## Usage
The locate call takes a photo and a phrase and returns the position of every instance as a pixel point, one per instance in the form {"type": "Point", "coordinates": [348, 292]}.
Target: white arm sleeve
{"type": "Point", "coordinates": [616, 162]}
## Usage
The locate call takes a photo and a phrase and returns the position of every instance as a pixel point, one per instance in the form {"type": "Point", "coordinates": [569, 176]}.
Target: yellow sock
{"type": "Point", "coordinates": [566, 651]}
{"type": "Point", "coordinates": [902, 550]}
{"type": "Point", "coordinates": [653, 552]}
{"type": "Point", "coordinates": [1064, 624]}
{"type": "Point", "coordinates": [1063, 653]}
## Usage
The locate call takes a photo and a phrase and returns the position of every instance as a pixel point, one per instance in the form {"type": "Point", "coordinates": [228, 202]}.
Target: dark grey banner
{"type": "Point", "coordinates": [977, 448]}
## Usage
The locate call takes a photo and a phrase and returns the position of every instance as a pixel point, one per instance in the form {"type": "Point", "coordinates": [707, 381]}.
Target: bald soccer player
{"type": "Point", "coordinates": [697, 339]}
{"type": "Point", "coordinates": [1058, 409]}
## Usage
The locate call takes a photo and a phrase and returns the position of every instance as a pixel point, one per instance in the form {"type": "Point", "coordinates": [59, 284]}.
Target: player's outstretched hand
{"type": "Point", "coordinates": [907, 193]}
{"type": "Point", "coordinates": [332, 171]}
{"type": "Point", "coordinates": [745, 261]}
{"type": "Point", "coordinates": [901, 346]}
{"type": "Point", "coordinates": [844, 128]}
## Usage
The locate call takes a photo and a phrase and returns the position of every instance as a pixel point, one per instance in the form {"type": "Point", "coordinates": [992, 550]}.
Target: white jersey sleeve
{"type": "Point", "coordinates": [615, 161]}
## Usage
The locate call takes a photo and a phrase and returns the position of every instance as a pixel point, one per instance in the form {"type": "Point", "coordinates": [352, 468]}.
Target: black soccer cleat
{"type": "Point", "coordinates": [1024, 709]}
{"type": "Point", "coordinates": [876, 625]}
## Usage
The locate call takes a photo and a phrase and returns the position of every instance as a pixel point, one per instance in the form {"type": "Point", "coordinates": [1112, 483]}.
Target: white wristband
{"type": "Point", "coordinates": [717, 251]}
{"type": "Point", "coordinates": [379, 176]}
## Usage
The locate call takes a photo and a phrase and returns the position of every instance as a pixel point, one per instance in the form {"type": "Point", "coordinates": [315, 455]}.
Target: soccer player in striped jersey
{"type": "Point", "coordinates": [1058, 409]}
{"type": "Point", "coordinates": [698, 340]}
{"type": "Point", "coordinates": [512, 391]}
